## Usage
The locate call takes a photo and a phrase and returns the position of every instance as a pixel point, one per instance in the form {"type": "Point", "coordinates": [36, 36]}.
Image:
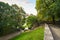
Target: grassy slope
{"type": "Point", "coordinates": [37, 34]}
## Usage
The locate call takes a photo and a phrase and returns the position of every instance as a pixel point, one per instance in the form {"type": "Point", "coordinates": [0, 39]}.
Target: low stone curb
{"type": "Point", "coordinates": [47, 33]}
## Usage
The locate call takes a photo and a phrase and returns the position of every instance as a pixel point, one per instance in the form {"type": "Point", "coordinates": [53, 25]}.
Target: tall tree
{"type": "Point", "coordinates": [10, 18]}
{"type": "Point", "coordinates": [48, 9]}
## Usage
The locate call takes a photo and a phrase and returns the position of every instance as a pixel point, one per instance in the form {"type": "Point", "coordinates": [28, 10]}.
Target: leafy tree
{"type": "Point", "coordinates": [48, 10]}
{"type": "Point", "coordinates": [20, 15]}
{"type": "Point", "coordinates": [10, 18]}
{"type": "Point", "coordinates": [31, 21]}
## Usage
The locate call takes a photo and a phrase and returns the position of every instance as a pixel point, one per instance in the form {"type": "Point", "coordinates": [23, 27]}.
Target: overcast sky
{"type": "Point", "coordinates": [28, 5]}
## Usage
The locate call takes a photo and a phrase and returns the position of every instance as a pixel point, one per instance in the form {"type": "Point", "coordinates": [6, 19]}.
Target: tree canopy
{"type": "Point", "coordinates": [11, 17]}
{"type": "Point", "coordinates": [48, 10]}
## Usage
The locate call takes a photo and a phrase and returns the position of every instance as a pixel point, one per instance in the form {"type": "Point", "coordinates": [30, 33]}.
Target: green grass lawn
{"type": "Point", "coordinates": [37, 34]}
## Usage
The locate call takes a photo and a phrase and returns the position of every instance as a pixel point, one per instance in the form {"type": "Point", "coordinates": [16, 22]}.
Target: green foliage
{"type": "Point", "coordinates": [10, 18]}
{"type": "Point", "coordinates": [48, 10]}
{"type": "Point", "coordinates": [31, 20]}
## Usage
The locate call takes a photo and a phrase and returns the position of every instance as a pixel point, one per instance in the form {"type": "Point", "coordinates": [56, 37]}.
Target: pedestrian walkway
{"type": "Point", "coordinates": [56, 32]}
{"type": "Point", "coordinates": [47, 34]}
{"type": "Point", "coordinates": [7, 37]}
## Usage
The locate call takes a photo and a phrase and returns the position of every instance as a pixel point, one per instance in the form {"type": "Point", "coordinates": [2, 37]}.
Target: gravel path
{"type": "Point", "coordinates": [7, 37]}
{"type": "Point", "coordinates": [56, 32]}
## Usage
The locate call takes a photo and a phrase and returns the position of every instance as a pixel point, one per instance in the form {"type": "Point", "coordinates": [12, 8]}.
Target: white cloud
{"type": "Point", "coordinates": [28, 6]}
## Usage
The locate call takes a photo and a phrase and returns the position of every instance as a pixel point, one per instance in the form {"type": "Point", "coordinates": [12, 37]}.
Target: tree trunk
{"type": "Point", "coordinates": [53, 19]}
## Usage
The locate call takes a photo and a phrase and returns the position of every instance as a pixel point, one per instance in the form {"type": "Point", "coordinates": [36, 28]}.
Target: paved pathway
{"type": "Point", "coordinates": [47, 34]}
{"type": "Point", "coordinates": [55, 32]}
{"type": "Point", "coordinates": [9, 36]}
